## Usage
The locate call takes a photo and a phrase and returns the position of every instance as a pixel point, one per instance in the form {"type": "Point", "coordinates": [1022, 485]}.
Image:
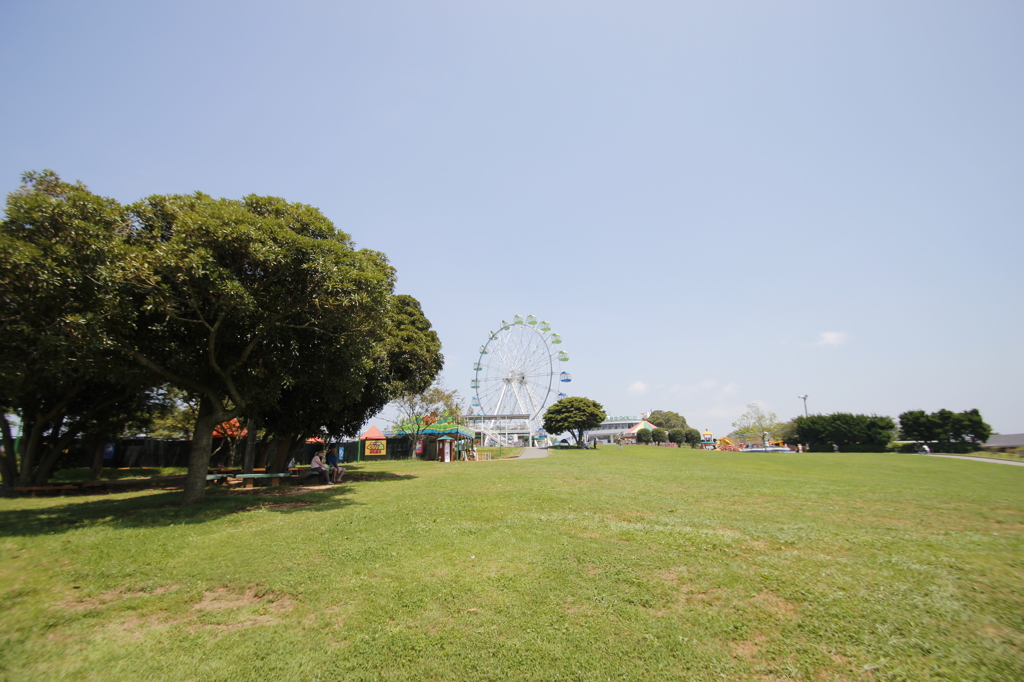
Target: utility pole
{"type": "Point", "coordinates": [804, 398]}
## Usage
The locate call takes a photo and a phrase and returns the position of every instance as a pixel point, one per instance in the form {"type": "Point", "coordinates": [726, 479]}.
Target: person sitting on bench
{"type": "Point", "coordinates": [332, 462]}
{"type": "Point", "coordinates": [318, 465]}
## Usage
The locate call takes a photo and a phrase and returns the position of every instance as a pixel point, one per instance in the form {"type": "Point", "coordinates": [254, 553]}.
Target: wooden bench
{"type": "Point", "coordinates": [300, 474]}
{"type": "Point", "coordinates": [250, 479]}
{"type": "Point", "coordinates": [216, 478]}
{"type": "Point", "coordinates": [44, 488]}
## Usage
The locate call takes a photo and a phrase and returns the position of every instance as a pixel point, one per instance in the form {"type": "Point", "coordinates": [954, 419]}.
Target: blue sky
{"type": "Point", "coordinates": [714, 203]}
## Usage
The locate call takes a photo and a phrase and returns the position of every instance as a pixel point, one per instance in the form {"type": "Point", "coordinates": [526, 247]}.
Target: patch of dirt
{"type": "Point", "coordinates": [264, 619]}
{"type": "Point", "coordinates": [97, 602]}
{"type": "Point", "coordinates": [136, 627]}
{"type": "Point", "coordinates": [266, 491]}
{"type": "Point", "coordinates": [686, 598]}
{"type": "Point", "coordinates": [222, 598]}
{"type": "Point", "coordinates": [748, 649]}
{"type": "Point", "coordinates": [776, 605]}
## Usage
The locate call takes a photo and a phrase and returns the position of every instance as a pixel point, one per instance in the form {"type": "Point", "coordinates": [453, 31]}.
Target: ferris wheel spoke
{"type": "Point", "coordinates": [516, 370]}
{"type": "Point", "coordinates": [534, 403]}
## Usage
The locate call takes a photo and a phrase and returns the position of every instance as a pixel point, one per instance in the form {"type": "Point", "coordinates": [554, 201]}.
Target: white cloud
{"type": "Point", "coordinates": [730, 389]}
{"type": "Point", "coordinates": [637, 388]}
{"type": "Point", "coordinates": [832, 338]}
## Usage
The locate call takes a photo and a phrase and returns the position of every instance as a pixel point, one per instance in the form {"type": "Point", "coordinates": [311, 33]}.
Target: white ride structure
{"type": "Point", "coordinates": [516, 377]}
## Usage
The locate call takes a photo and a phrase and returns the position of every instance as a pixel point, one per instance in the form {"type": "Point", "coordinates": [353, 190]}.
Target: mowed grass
{"type": "Point", "coordinates": [637, 564]}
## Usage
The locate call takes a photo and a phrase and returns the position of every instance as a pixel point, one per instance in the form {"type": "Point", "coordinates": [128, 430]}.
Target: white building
{"type": "Point", "coordinates": [618, 427]}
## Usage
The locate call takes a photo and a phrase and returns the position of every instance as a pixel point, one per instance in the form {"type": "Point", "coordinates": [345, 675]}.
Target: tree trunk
{"type": "Point", "coordinates": [208, 417]}
{"type": "Point", "coordinates": [285, 445]}
{"type": "Point", "coordinates": [97, 459]}
{"type": "Point", "coordinates": [250, 446]}
{"type": "Point", "coordinates": [8, 461]}
{"type": "Point", "coordinates": [45, 467]}
{"type": "Point", "coordinates": [29, 447]}
{"type": "Point", "coordinates": [261, 461]}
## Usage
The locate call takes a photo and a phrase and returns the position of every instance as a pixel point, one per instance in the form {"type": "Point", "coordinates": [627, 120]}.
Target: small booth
{"type": "Point", "coordinates": [707, 441]}
{"type": "Point", "coordinates": [629, 435]}
{"type": "Point", "coordinates": [444, 448]}
{"type": "Point", "coordinates": [373, 445]}
{"type": "Point", "coordinates": [443, 441]}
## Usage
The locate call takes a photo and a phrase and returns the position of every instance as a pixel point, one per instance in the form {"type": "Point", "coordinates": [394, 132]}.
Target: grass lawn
{"type": "Point", "coordinates": [646, 563]}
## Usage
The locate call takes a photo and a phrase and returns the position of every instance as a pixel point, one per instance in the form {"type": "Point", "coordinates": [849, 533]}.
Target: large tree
{"type": "Point", "coordinates": [574, 415]}
{"type": "Point", "coordinates": [60, 308]}
{"type": "Point", "coordinates": [851, 432]}
{"type": "Point", "coordinates": [329, 397]}
{"type": "Point", "coordinates": [667, 420]}
{"type": "Point", "coordinates": [755, 422]}
{"type": "Point", "coordinates": [256, 308]}
{"type": "Point", "coordinates": [950, 431]}
{"type": "Point", "coordinates": [235, 297]}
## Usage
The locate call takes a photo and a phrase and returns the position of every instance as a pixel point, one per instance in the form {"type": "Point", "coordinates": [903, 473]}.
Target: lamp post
{"type": "Point", "coordinates": [804, 398]}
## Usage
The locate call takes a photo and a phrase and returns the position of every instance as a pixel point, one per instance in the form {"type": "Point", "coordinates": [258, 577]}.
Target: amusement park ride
{"type": "Point", "coordinates": [516, 377]}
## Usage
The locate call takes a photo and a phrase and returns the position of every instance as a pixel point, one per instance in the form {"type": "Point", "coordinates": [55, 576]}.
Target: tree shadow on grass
{"type": "Point", "coordinates": [149, 509]}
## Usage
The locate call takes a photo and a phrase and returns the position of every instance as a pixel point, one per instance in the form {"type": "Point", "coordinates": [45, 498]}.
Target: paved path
{"type": "Point", "coordinates": [981, 459]}
{"type": "Point", "coordinates": [533, 453]}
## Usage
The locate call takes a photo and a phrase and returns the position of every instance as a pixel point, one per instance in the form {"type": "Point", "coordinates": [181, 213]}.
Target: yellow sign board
{"type": "Point", "coordinates": [376, 448]}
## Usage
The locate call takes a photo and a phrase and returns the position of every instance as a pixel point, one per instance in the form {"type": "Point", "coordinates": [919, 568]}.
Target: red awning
{"type": "Point", "coordinates": [229, 429]}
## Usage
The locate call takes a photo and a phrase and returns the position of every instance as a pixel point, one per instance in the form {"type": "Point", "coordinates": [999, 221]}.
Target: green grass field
{"type": "Point", "coordinates": [646, 564]}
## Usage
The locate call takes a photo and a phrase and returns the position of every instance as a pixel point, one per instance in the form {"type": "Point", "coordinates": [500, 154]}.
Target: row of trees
{"type": "Point", "coordinates": [672, 428]}
{"type": "Point", "coordinates": [680, 437]}
{"type": "Point", "coordinates": [256, 309]}
{"type": "Point", "coordinates": [949, 431]}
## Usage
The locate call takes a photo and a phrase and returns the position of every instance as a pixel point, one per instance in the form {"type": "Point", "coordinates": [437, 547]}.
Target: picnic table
{"type": "Point", "coordinates": [250, 479]}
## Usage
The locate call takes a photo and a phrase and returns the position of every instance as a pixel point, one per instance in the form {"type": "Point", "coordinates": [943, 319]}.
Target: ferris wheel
{"type": "Point", "coordinates": [519, 371]}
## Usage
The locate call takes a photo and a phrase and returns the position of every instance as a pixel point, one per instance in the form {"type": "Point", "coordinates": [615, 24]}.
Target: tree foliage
{"type": "Point", "coordinates": [667, 420]}
{"type": "Point", "coordinates": [255, 307]}
{"type": "Point", "coordinates": [677, 436]}
{"type": "Point", "coordinates": [659, 435]}
{"type": "Point", "coordinates": [755, 422]}
{"type": "Point", "coordinates": [574, 415]}
{"type": "Point", "coordinates": [644, 436]}
{"type": "Point", "coordinates": [950, 431]}
{"type": "Point", "coordinates": [60, 249]}
{"type": "Point", "coordinates": [418, 411]}
{"type": "Point", "coordinates": [851, 432]}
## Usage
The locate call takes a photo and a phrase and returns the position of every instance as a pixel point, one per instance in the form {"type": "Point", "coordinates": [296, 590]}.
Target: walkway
{"type": "Point", "coordinates": [981, 459]}
{"type": "Point", "coordinates": [533, 453]}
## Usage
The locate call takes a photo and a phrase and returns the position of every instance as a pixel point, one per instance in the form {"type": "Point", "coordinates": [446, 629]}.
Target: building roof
{"type": "Point", "coordinates": [372, 433]}
{"type": "Point", "coordinates": [1006, 440]}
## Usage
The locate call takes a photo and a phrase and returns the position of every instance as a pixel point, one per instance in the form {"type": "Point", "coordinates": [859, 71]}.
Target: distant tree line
{"type": "Point", "coordinates": [254, 309]}
{"type": "Point", "coordinates": [851, 432]}
{"type": "Point", "coordinates": [672, 428]}
{"type": "Point", "coordinates": [944, 431]}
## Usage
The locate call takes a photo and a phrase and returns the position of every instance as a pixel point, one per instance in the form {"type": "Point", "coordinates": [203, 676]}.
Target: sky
{"type": "Point", "coordinates": [715, 204]}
